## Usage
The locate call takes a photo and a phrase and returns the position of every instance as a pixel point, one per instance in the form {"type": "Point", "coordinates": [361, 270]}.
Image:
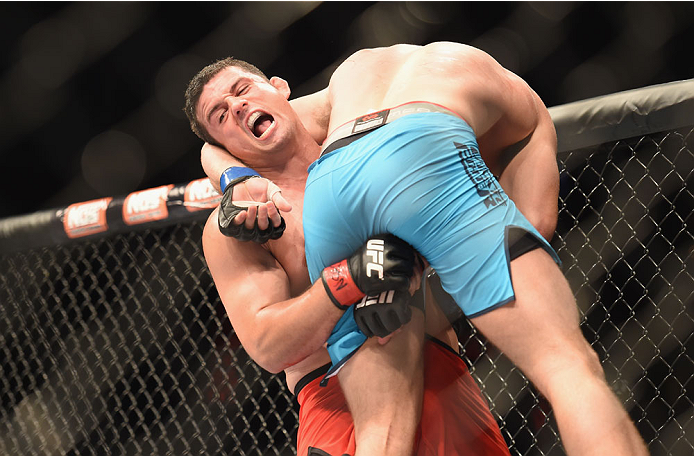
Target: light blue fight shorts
{"type": "Point", "coordinates": [421, 178]}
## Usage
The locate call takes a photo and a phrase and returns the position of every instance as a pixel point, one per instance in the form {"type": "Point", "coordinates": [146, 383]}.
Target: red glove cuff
{"type": "Point", "coordinates": [339, 284]}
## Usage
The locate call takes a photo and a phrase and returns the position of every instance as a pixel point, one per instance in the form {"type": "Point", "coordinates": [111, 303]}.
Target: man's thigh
{"type": "Point", "coordinates": [540, 330]}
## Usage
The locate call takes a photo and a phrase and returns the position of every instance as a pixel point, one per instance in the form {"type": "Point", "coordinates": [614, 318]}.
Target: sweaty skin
{"type": "Point", "coordinates": [514, 130]}
{"type": "Point", "coordinates": [462, 76]}
{"type": "Point", "coordinates": [284, 261]}
{"type": "Point", "coordinates": [261, 284]}
{"type": "Point", "coordinates": [404, 73]}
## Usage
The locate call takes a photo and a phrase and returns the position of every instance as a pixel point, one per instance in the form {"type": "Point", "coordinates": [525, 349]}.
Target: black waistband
{"type": "Point", "coordinates": [342, 142]}
{"type": "Point", "coordinates": [311, 376]}
{"type": "Point", "coordinates": [359, 127]}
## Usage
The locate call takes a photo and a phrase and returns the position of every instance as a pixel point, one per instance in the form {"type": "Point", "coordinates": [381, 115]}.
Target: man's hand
{"type": "Point", "coordinates": [250, 207]}
{"type": "Point", "coordinates": [249, 210]}
{"type": "Point", "coordinates": [263, 200]}
{"type": "Point", "coordinates": [384, 263]}
{"type": "Point", "coordinates": [379, 315]}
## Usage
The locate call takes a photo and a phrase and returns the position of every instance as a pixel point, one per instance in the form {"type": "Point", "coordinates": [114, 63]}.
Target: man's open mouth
{"type": "Point", "coordinates": [259, 123]}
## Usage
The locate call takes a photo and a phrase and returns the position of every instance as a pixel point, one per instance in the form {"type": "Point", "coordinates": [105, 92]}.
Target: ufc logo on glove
{"type": "Point", "coordinates": [382, 263]}
{"type": "Point", "coordinates": [374, 250]}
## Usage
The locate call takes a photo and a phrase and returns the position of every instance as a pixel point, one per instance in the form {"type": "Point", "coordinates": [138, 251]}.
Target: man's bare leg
{"type": "Point", "coordinates": [383, 386]}
{"type": "Point", "coordinates": [540, 333]}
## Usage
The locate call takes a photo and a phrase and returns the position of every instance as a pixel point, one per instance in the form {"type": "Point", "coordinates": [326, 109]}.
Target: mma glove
{"type": "Point", "coordinates": [380, 315]}
{"type": "Point", "coordinates": [228, 210]}
{"type": "Point", "coordinates": [385, 262]}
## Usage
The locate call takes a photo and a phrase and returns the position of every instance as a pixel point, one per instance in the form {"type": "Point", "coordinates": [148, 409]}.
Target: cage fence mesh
{"type": "Point", "coordinates": [121, 345]}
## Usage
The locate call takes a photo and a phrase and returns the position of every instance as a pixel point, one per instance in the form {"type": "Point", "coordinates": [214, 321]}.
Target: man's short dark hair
{"type": "Point", "coordinates": [197, 84]}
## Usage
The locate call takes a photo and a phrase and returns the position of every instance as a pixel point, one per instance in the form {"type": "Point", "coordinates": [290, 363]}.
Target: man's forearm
{"type": "Point", "coordinates": [214, 161]}
{"type": "Point", "coordinates": [287, 332]}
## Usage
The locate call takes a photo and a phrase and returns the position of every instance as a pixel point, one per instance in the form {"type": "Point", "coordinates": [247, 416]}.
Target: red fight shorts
{"type": "Point", "coordinates": [455, 416]}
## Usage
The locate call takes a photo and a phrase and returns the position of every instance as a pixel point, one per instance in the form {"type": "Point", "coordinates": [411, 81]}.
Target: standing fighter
{"type": "Point", "coordinates": [261, 287]}
{"type": "Point", "coordinates": [433, 191]}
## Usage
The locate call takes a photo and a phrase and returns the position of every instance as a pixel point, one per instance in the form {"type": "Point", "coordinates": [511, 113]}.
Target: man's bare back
{"type": "Point", "coordinates": [463, 79]}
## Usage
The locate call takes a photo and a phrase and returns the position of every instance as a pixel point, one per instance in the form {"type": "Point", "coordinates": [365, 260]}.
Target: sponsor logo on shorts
{"type": "Point", "coordinates": [406, 110]}
{"type": "Point", "coordinates": [370, 121]}
{"type": "Point", "coordinates": [147, 205]}
{"type": "Point", "coordinates": [374, 250]}
{"type": "Point", "coordinates": [200, 194]}
{"type": "Point", "coordinates": [83, 219]}
{"type": "Point", "coordinates": [487, 186]}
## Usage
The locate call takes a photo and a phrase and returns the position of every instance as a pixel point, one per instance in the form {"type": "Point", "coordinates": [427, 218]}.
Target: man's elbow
{"type": "Point", "coordinates": [267, 359]}
{"type": "Point", "coordinates": [271, 354]}
{"type": "Point", "coordinates": [544, 221]}
{"type": "Point", "coordinates": [271, 365]}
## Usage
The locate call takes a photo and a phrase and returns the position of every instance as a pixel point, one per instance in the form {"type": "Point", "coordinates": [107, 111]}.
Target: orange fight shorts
{"type": "Point", "coordinates": [455, 416]}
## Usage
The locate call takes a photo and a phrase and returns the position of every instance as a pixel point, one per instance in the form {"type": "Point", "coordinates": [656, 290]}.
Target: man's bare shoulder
{"type": "Point", "coordinates": [404, 51]}
{"type": "Point", "coordinates": [393, 49]}
{"type": "Point", "coordinates": [375, 56]}
{"type": "Point", "coordinates": [314, 112]}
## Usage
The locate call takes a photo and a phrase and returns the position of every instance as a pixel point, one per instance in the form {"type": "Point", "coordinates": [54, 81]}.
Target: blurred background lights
{"type": "Point", "coordinates": [421, 13]}
{"type": "Point", "coordinates": [51, 52]}
{"type": "Point", "coordinates": [172, 79]}
{"type": "Point", "coordinates": [113, 163]}
{"type": "Point", "coordinates": [75, 76]}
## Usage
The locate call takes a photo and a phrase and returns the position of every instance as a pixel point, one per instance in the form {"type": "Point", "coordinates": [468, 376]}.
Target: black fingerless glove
{"type": "Point", "coordinates": [381, 314]}
{"type": "Point", "coordinates": [228, 210]}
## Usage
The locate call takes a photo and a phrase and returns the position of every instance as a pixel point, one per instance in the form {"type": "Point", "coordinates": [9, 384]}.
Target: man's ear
{"type": "Point", "coordinates": [281, 85]}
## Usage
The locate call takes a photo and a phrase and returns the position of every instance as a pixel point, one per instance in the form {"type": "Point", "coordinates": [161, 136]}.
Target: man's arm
{"type": "Point", "coordinates": [527, 169]}
{"type": "Point", "coordinates": [215, 161]}
{"type": "Point", "coordinates": [531, 179]}
{"type": "Point", "coordinates": [279, 331]}
{"type": "Point", "coordinates": [276, 330]}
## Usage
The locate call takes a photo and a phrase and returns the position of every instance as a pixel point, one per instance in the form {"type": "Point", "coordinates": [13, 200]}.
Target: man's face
{"type": "Point", "coordinates": [245, 113]}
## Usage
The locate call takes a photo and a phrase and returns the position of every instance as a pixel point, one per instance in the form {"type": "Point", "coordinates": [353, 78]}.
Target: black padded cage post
{"type": "Point", "coordinates": [113, 339]}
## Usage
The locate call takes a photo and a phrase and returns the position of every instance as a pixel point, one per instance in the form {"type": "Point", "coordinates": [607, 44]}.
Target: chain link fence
{"type": "Point", "coordinates": [625, 240]}
{"type": "Point", "coordinates": [118, 344]}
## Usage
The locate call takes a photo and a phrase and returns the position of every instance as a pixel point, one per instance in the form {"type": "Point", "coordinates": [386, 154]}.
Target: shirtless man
{"type": "Point", "coordinates": [282, 329]}
{"type": "Point", "coordinates": [537, 324]}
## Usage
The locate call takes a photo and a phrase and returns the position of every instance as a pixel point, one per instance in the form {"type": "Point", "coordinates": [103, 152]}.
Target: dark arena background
{"type": "Point", "coordinates": [113, 340]}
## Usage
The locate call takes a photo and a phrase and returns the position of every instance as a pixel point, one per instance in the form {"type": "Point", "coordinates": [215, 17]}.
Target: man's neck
{"type": "Point", "coordinates": [291, 172]}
